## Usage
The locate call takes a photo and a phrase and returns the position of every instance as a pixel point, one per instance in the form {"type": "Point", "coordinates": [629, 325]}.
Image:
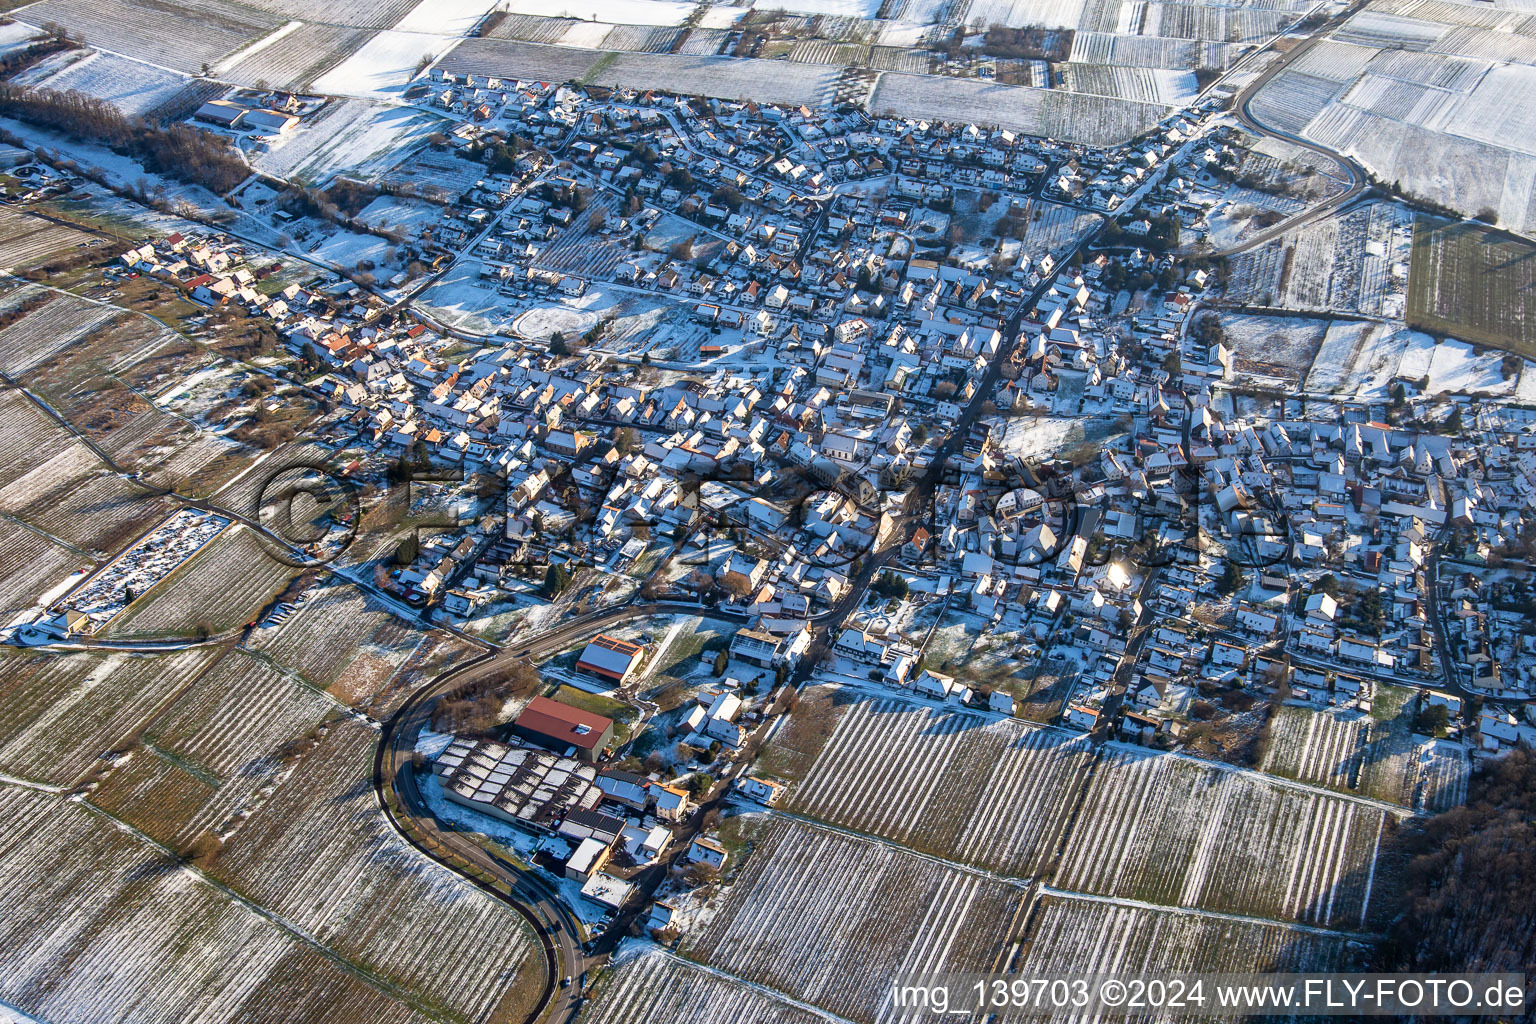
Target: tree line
{"type": "Point", "coordinates": [178, 151]}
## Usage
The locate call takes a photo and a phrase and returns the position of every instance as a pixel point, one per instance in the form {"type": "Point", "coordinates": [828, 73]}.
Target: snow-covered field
{"type": "Point", "coordinates": [445, 17]}
{"type": "Point", "coordinates": [1022, 13]}
{"type": "Point", "coordinates": [1181, 832]}
{"type": "Point", "coordinates": [1078, 936]}
{"type": "Point", "coordinates": [383, 66]}
{"type": "Point", "coordinates": [63, 711]}
{"type": "Point", "coordinates": [130, 86]}
{"type": "Point", "coordinates": [992, 792]}
{"type": "Point", "coordinates": [350, 136]}
{"type": "Point", "coordinates": [833, 917]}
{"type": "Point", "coordinates": [646, 983]}
{"type": "Point", "coordinates": [620, 12]}
{"type": "Point", "coordinates": [837, 8]}
{"type": "Point", "coordinates": [1372, 754]}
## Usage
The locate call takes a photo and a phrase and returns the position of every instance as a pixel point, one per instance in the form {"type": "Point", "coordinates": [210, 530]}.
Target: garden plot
{"type": "Point", "coordinates": [320, 854]}
{"type": "Point", "coordinates": [98, 925]}
{"type": "Point", "coordinates": [335, 626]}
{"type": "Point", "coordinates": [1373, 754]}
{"type": "Point", "coordinates": [1078, 937]}
{"type": "Point", "coordinates": [354, 137]}
{"type": "Point", "coordinates": [26, 241]}
{"type": "Point", "coordinates": [833, 917]}
{"type": "Point", "coordinates": [297, 58]}
{"type": "Point", "coordinates": [651, 985]}
{"type": "Point", "coordinates": [1279, 347]}
{"type": "Point", "coordinates": [183, 36]}
{"type": "Point", "coordinates": [223, 586]}
{"type": "Point", "coordinates": [1180, 832]}
{"type": "Point", "coordinates": [131, 87]}
{"type": "Point", "coordinates": [979, 789]}
{"type": "Point", "coordinates": [63, 711]}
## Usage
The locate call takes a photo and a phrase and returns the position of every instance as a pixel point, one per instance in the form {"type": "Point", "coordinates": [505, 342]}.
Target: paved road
{"type": "Point", "coordinates": [535, 896]}
{"type": "Point", "coordinates": [1359, 180]}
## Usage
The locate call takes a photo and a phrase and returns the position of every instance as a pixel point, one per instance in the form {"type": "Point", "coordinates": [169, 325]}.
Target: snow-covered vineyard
{"type": "Point", "coordinates": [1372, 755]}
{"type": "Point", "coordinates": [60, 712]}
{"type": "Point", "coordinates": [833, 917]}
{"type": "Point", "coordinates": [1181, 832]}
{"type": "Point", "coordinates": [657, 987]}
{"type": "Point", "coordinates": [118, 903]}
{"type": "Point", "coordinates": [981, 790]}
{"type": "Point", "coordinates": [1088, 936]}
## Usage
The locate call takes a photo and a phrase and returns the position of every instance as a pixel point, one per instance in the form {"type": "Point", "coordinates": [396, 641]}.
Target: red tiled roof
{"type": "Point", "coordinates": [563, 723]}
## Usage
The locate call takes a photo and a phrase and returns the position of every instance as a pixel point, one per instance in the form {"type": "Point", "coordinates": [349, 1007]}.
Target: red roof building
{"type": "Point", "coordinates": [558, 726]}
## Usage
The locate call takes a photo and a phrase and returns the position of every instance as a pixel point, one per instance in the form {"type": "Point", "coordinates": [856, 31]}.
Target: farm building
{"type": "Point", "coordinates": [222, 113]}
{"type": "Point", "coordinates": [273, 121]}
{"type": "Point", "coordinates": [611, 658]}
{"type": "Point", "coordinates": [516, 784]}
{"type": "Point", "coordinates": [560, 726]}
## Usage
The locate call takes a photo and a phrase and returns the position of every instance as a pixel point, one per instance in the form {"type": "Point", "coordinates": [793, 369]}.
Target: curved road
{"type": "Point", "coordinates": [1359, 180]}
{"type": "Point", "coordinates": [534, 896]}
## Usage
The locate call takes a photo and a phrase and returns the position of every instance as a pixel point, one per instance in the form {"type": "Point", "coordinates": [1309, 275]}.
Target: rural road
{"type": "Point", "coordinates": [1359, 180]}
{"type": "Point", "coordinates": [536, 898]}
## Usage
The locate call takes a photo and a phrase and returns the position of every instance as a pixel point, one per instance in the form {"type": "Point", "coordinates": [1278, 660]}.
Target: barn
{"type": "Point", "coordinates": [610, 658]}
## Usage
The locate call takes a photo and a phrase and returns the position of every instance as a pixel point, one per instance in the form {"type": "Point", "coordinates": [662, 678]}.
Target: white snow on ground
{"type": "Point", "coordinates": [1027, 436]}
{"type": "Point", "coordinates": [446, 810]}
{"type": "Point", "coordinates": [1454, 367]}
{"type": "Point", "coordinates": [384, 65]}
{"type": "Point", "coordinates": [839, 8]}
{"type": "Point", "coordinates": [256, 47]}
{"type": "Point", "coordinates": [1525, 390]}
{"type": "Point", "coordinates": [432, 743]}
{"type": "Point", "coordinates": [620, 12]}
{"type": "Point", "coordinates": [445, 17]}
{"type": "Point", "coordinates": [131, 87]}
{"type": "Point", "coordinates": [16, 35]}
{"type": "Point", "coordinates": [355, 136]}
{"type": "Point", "coordinates": [720, 16]}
